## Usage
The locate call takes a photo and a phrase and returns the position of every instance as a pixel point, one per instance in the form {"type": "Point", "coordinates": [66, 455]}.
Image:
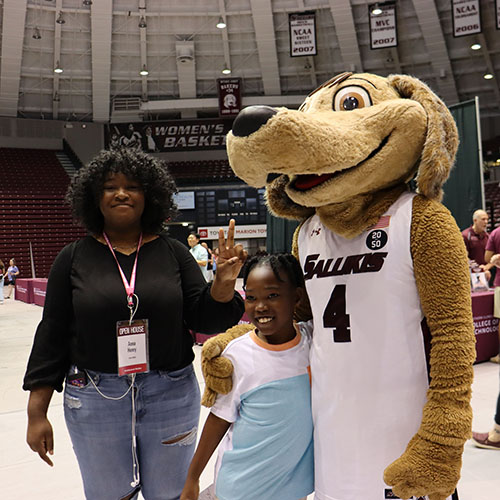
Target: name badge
{"type": "Point", "coordinates": [133, 353]}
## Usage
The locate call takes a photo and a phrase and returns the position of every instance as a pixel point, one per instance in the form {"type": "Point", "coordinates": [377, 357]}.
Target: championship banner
{"type": "Point", "coordinates": [383, 26]}
{"type": "Point", "coordinates": [172, 135]}
{"type": "Point", "coordinates": [229, 90]}
{"type": "Point", "coordinates": [497, 13]}
{"type": "Point", "coordinates": [466, 17]}
{"type": "Point", "coordinates": [302, 34]}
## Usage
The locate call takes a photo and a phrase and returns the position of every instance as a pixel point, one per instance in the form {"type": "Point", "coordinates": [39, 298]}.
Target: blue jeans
{"type": "Point", "coordinates": [167, 407]}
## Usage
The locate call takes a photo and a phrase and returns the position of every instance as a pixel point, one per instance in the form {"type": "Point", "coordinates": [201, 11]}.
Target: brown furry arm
{"type": "Point", "coordinates": [432, 461]}
{"type": "Point", "coordinates": [216, 369]}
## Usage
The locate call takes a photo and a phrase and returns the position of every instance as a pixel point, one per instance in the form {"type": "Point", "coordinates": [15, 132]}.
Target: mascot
{"type": "Point", "coordinates": [387, 278]}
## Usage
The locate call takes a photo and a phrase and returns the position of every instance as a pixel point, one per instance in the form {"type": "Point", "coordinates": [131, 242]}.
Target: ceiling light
{"type": "Point", "coordinates": [221, 24]}
{"type": "Point", "coordinates": [226, 71]}
{"type": "Point", "coordinates": [142, 23]}
{"type": "Point", "coordinates": [60, 19]}
{"type": "Point", "coordinates": [144, 71]}
{"type": "Point", "coordinates": [475, 46]}
{"type": "Point", "coordinates": [87, 2]}
{"type": "Point", "coordinates": [36, 33]}
{"type": "Point", "coordinates": [376, 11]}
{"type": "Point", "coordinates": [58, 68]}
{"type": "Point", "coordinates": [488, 76]}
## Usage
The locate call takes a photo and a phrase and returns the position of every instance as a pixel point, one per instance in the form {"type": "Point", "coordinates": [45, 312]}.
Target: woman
{"type": "Point", "coordinates": [12, 274]}
{"type": "Point", "coordinates": [122, 300]}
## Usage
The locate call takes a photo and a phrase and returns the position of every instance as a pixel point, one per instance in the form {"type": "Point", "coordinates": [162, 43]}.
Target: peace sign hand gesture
{"type": "Point", "coordinates": [229, 263]}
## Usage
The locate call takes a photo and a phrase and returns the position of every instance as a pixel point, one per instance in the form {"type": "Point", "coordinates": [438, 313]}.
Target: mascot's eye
{"type": "Point", "coordinates": [352, 97]}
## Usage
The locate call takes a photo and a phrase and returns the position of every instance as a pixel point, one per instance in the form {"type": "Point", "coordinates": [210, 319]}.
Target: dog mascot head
{"type": "Point", "coordinates": [351, 140]}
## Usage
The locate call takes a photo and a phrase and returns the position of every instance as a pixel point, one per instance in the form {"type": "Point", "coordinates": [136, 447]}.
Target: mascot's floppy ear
{"type": "Point", "coordinates": [441, 143]}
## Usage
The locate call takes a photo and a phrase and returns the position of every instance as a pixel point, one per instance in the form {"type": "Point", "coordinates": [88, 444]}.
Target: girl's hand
{"type": "Point", "coordinates": [231, 258]}
{"type": "Point", "coordinates": [191, 490]}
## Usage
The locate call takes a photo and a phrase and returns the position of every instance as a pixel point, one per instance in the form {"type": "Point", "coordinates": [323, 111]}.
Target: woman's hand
{"type": "Point", "coordinates": [231, 257]}
{"type": "Point", "coordinates": [40, 438]}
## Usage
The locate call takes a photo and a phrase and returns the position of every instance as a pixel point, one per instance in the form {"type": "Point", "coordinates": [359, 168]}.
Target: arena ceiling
{"type": "Point", "coordinates": [101, 48]}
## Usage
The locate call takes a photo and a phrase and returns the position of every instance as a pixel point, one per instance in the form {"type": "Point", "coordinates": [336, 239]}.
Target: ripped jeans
{"type": "Point", "coordinates": [167, 408]}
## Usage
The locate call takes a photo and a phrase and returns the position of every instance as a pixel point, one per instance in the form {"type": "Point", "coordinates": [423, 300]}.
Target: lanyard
{"type": "Point", "coordinates": [129, 287]}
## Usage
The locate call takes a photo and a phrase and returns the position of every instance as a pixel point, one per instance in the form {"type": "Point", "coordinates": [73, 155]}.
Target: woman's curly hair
{"type": "Point", "coordinates": [85, 191]}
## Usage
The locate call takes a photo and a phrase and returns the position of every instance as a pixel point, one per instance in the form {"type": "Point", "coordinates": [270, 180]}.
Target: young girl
{"type": "Point", "coordinates": [267, 451]}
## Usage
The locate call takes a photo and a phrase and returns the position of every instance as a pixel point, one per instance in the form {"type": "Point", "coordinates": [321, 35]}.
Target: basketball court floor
{"type": "Point", "coordinates": [24, 476]}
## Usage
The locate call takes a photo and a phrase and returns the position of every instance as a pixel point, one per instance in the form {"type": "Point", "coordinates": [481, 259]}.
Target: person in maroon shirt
{"type": "Point", "coordinates": [476, 238]}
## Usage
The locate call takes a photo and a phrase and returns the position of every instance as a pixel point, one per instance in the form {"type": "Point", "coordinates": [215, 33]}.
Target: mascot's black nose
{"type": "Point", "coordinates": [251, 119]}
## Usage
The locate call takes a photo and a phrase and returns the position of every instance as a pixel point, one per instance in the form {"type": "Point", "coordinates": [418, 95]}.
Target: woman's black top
{"type": "Point", "coordinates": [86, 297]}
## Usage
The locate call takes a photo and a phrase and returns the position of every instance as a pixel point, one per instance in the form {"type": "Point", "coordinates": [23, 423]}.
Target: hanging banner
{"type": "Point", "coordinates": [229, 90]}
{"type": "Point", "coordinates": [383, 26]}
{"type": "Point", "coordinates": [466, 17]}
{"type": "Point", "coordinates": [172, 135]}
{"type": "Point", "coordinates": [302, 34]}
{"type": "Point", "coordinates": [497, 13]}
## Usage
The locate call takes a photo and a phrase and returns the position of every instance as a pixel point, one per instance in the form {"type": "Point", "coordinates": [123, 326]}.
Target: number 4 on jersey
{"type": "Point", "coordinates": [336, 317]}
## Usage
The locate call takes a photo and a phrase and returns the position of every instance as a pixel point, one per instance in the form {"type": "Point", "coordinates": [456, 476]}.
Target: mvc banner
{"type": "Point", "coordinates": [383, 26]}
{"type": "Point", "coordinates": [302, 29]}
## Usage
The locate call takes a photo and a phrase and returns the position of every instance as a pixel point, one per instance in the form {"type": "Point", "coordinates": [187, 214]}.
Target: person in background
{"type": "Point", "coordinates": [492, 257]}
{"type": "Point", "coordinates": [115, 327]}
{"type": "Point", "coordinates": [266, 420]}
{"type": "Point", "coordinates": [11, 274]}
{"type": "Point", "coordinates": [215, 256]}
{"type": "Point", "coordinates": [475, 239]}
{"type": "Point", "coordinates": [210, 263]}
{"type": "Point", "coordinates": [491, 439]}
{"type": "Point", "coordinates": [2, 272]}
{"type": "Point", "coordinates": [199, 253]}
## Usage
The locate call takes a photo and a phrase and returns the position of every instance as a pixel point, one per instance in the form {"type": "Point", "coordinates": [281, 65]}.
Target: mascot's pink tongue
{"type": "Point", "coordinates": [309, 181]}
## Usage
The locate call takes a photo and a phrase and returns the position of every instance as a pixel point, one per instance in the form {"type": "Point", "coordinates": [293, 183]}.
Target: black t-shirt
{"type": "Point", "coordinates": [86, 297]}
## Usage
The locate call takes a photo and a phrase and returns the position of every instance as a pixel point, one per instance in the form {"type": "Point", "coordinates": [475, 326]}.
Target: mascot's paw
{"type": "Point", "coordinates": [425, 468]}
{"type": "Point", "coordinates": [217, 370]}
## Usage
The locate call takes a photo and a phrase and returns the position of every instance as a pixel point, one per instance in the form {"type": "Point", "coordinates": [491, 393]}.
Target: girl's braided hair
{"type": "Point", "coordinates": [279, 263]}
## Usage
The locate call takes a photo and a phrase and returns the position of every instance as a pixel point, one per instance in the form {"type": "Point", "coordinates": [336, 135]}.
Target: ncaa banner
{"type": "Point", "coordinates": [466, 17]}
{"type": "Point", "coordinates": [229, 90]}
{"type": "Point", "coordinates": [302, 29]}
{"type": "Point", "coordinates": [383, 27]}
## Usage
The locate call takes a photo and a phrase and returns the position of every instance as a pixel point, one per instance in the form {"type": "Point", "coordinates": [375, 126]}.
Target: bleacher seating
{"type": "Point", "coordinates": [32, 209]}
{"type": "Point", "coordinates": [201, 172]}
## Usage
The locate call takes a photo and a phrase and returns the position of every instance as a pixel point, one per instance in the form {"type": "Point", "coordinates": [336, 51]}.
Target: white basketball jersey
{"type": "Point", "coordinates": [369, 373]}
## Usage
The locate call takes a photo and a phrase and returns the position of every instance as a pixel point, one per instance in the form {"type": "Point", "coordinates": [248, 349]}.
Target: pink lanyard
{"type": "Point", "coordinates": [129, 288]}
